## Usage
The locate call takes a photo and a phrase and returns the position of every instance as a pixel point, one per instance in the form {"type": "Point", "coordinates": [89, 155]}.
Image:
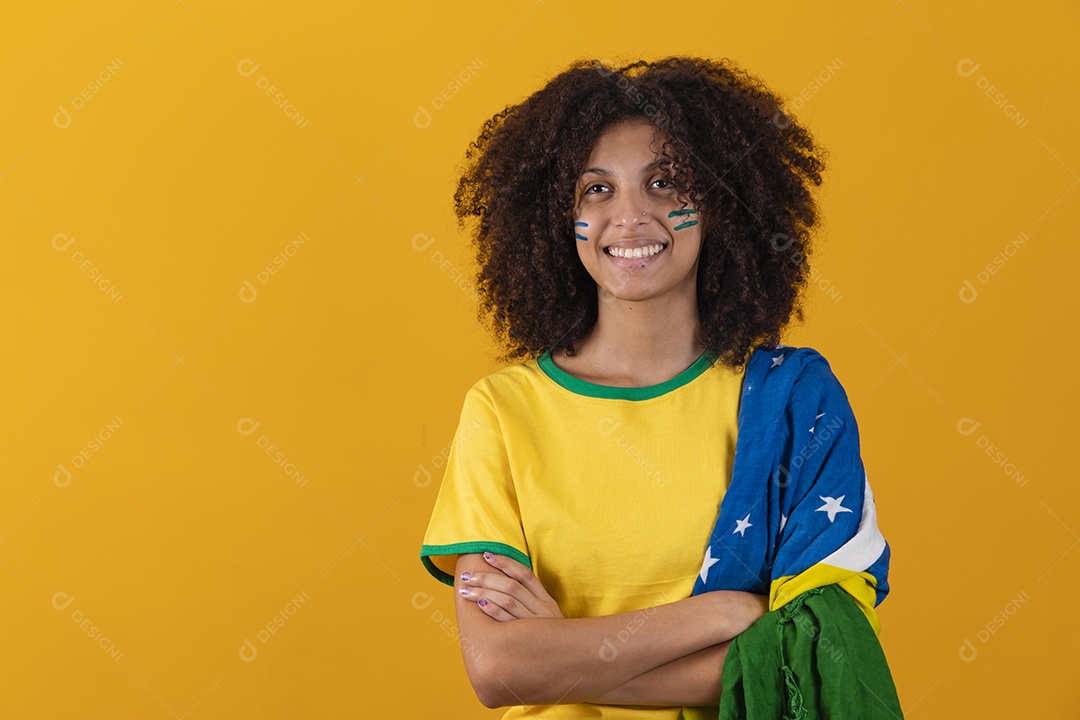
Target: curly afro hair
{"type": "Point", "coordinates": [745, 163]}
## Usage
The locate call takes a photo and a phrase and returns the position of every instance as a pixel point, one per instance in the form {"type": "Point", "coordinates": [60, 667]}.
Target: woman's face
{"type": "Point", "coordinates": [625, 202]}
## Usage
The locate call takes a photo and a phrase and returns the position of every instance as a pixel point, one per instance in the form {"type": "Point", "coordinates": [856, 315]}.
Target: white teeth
{"type": "Point", "coordinates": [635, 252]}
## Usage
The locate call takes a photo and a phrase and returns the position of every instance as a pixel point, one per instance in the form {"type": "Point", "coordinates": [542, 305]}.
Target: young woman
{"type": "Point", "coordinates": [640, 232]}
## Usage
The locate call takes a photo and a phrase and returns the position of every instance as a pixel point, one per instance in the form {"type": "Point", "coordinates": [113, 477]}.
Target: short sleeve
{"type": "Point", "coordinates": [477, 508]}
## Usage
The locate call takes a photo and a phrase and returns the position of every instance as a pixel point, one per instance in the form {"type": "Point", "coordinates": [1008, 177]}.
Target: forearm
{"type": "Point", "coordinates": [546, 661]}
{"type": "Point", "coordinates": [693, 680]}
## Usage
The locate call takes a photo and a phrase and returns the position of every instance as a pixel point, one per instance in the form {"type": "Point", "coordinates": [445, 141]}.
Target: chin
{"type": "Point", "coordinates": [628, 294]}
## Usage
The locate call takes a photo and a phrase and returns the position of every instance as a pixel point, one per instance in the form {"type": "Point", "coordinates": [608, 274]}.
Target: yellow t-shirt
{"type": "Point", "coordinates": [609, 494]}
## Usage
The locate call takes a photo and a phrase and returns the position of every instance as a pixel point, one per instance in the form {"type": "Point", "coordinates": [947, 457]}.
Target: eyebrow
{"type": "Point", "coordinates": [607, 173]}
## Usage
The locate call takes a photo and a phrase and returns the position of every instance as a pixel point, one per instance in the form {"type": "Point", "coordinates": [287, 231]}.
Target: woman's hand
{"type": "Point", "coordinates": [509, 592]}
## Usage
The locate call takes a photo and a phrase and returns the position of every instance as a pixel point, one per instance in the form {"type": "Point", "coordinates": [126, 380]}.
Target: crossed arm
{"type": "Point", "coordinates": [673, 657]}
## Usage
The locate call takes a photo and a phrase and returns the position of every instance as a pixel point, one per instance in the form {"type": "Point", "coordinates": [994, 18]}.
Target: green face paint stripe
{"type": "Point", "coordinates": [673, 213]}
{"type": "Point", "coordinates": [688, 223]}
{"type": "Point", "coordinates": [579, 236]}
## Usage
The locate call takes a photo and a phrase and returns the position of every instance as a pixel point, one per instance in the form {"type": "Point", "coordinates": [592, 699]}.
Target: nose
{"type": "Point", "coordinates": [630, 209]}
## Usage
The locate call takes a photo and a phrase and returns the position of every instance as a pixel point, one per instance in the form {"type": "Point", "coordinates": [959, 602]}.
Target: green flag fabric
{"type": "Point", "coordinates": [815, 657]}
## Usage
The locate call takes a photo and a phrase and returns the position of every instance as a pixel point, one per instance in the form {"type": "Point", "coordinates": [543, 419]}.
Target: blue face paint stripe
{"type": "Point", "coordinates": [578, 235]}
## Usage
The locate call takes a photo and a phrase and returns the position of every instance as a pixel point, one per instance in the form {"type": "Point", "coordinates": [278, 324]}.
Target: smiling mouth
{"type": "Point", "coordinates": [636, 253]}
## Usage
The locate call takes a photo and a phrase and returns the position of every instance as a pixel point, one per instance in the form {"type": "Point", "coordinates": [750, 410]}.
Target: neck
{"type": "Point", "coordinates": [644, 342]}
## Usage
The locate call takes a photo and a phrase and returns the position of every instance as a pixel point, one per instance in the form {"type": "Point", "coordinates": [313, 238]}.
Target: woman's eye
{"type": "Point", "coordinates": [588, 190]}
{"type": "Point", "coordinates": [666, 184]}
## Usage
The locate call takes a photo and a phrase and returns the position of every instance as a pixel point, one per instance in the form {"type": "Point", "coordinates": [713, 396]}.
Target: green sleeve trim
{"type": "Point", "coordinates": [476, 546]}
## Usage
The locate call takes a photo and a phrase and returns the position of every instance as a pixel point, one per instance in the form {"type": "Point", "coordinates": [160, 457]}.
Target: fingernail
{"type": "Point", "coordinates": [482, 602]}
{"type": "Point", "coordinates": [464, 591]}
{"type": "Point", "coordinates": [488, 555]}
{"type": "Point", "coordinates": [465, 576]}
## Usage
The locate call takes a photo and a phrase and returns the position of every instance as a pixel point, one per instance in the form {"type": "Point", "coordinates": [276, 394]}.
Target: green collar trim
{"type": "Point", "coordinates": [610, 392]}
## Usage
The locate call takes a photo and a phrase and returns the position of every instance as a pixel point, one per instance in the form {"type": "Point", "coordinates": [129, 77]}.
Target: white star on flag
{"type": "Point", "coordinates": [741, 525]}
{"type": "Point", "coordinates": [783, 520]}
{"type": "Point", "coordinates": [709, 562]}
{"type": "Point", "coordinates": [778, 360]}
{"type": "Point", "coordinates": [832, 506]}
{"type": "Point", "coordinates": [815, 420]}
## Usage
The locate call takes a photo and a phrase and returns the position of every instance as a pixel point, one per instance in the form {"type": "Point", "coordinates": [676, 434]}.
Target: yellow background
{"type": "Point", "coordinates": [183, 533]}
